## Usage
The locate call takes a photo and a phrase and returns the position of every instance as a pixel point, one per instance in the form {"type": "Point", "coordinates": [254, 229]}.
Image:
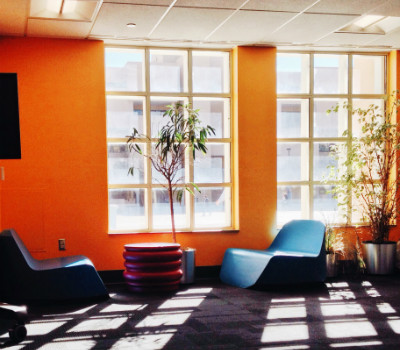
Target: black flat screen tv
{"type": "Point", "coordinates": [10, 141]}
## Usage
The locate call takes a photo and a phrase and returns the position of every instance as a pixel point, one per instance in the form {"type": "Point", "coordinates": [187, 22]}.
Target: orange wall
{"type": "Point", "coordinates": [59, 187]}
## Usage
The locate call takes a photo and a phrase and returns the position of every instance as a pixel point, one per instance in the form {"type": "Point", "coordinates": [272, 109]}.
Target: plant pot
{"type": "Point", "coordinates": [188, 265]}
{"type": "Point", "coordinates": [331, 267]}
{"type": "Point", "coordinates": [379, 258]}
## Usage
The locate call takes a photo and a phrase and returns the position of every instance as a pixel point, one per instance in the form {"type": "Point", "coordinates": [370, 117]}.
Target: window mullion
{"type": "Point", "coordinates": [147, 120]}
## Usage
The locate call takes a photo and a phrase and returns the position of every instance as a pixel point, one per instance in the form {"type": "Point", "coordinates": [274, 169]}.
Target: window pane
{"type": "Point", "coordinates": [216, 113]}
{"type": "Point", "coordinates": [168, 71]}
{"type": "Point", "coordinates": [119, 162]}
{"type": "Point", "coordinates": [292, 161]}
{"type": "Point", "coordinates": [214, 166]}
{"type": "Point", "coordinates": [158, 106]}
{"type": "Point", "coordinates": [364, 104]}
{"type": "Point", "coordinates": [368, 74]}
{"type": "Point", "coordinates": [212, 207]}
{"type": "Point", "coordinates": [127, 209]}
{"type": "Point", "coordinates": [124, 114]}
{"type": "Point", "coordinates": [162, 211]}
{"type": "Point", "coordinates": [210, 71]}
{"type": "Point", "coordinates": [330, 74]}
{"type": "Point", "coordinates": [323, 152]}
{"type": "Point", "coordinates": [292, 119]}
{"type": "Point", "coordinates": [332, 124]}
{"type": "Point", "coordinates": [292, 203]}
{"type": "Point", "coordinates": [124, 70]}
{"type": "Point", "coordinates": [325, 206]}
{"type": "Point", "coordinates": [293, 73]}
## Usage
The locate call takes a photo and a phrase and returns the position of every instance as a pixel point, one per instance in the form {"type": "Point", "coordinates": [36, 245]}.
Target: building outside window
{"type": "Point", "coordinates": [308, 84]}
{"type": "Point", "coordinates": [140, 83]}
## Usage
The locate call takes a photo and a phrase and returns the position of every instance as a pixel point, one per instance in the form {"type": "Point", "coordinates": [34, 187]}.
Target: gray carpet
{"type": "Point", "coordinates": [347, 313]}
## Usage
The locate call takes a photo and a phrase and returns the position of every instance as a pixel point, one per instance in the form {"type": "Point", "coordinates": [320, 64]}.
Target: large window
{"type": "Point", "coordinates": [140, 83]}
{"type": "Point", "coordinates": [308, 84]}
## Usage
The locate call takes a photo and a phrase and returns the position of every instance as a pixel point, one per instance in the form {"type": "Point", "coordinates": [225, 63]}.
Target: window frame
{"type": "Point", "coordinates": [188, 96]}
{"type": "Point", "coordinates": [307, 210]}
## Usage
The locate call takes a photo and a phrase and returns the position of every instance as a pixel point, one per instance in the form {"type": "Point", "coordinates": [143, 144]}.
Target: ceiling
{"type": "Point", "coordinates": [286, 24]}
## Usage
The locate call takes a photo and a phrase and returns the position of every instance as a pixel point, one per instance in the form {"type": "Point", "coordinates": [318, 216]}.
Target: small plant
{"type": "Point", "coordinates": [369, 164]}
{"type": "Point", "coordinates": [334, 241]}
{"type": "Point", "coordinates": [182, 133]}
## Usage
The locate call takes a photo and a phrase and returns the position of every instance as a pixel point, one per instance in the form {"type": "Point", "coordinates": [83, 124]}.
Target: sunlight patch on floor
{"type": "Point", "coordinates": [287, 347]}
{"type": "Point", "coordinates": [146, 341]}
{"type": "Point", "coordinates": [342, 309]}
{"type": "Point", "coordinates": [282, 311]}
{"type": "Point", "coordinates": [164, 319]}
{"type": "Point", "coordinates": [349, 328]}
{"type": "Point", "coordinates": [98, 324]}
{"type": "Point", "coordinates": [42, 328]}
{"type": "Point", "coordinates": [352, 344]}
{"type": "Point", "coordinates": [182, 303]}
{"type": "Point", "coordinates": [385, 308]}
{"type": "Point", "coordinates": [285, 332]}
{"type": "Point", "coordinates": [123, 307]}
{"type": "Point", "coordinates": [195, 291]}
{"type": "Point", "coordinates": [61, 344]}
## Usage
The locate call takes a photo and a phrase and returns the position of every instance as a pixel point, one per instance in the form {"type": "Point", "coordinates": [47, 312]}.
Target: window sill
{"type": "Point", "coordinates": [229, 231]}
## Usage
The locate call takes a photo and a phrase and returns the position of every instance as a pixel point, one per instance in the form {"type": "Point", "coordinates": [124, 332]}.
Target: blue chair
{"type": "Point", "coordinates": [25, 279]}
{"type": "Point", "coordinates": [296, 255]}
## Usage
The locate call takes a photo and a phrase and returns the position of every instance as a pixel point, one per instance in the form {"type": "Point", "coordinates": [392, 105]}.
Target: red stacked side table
{"type": "Point", "coordinates": [152, 267]}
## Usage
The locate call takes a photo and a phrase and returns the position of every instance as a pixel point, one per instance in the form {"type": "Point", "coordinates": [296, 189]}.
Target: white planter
{"type": "Point", "coordinates": [379, 257]}
{"type": "Point", "coordinates": [188, 265]}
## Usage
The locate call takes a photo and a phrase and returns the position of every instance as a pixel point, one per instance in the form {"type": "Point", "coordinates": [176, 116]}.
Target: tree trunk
{"type": "Point", "coordinates": [171, 206]}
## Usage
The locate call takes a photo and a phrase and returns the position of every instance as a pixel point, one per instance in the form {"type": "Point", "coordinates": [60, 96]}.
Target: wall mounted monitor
{"type": "Point", "coordinates": [10, 142]}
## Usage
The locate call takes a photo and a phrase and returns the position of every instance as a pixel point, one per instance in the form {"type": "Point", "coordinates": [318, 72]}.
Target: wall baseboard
{"type": "Point", "coordinates": [201, 272]}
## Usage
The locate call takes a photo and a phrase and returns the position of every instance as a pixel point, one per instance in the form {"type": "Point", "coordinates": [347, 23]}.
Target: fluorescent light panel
{"type": "Point", "coordinates": [82, 10]}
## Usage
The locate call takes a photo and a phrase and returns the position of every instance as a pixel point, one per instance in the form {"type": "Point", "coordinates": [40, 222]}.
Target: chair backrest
{"type": "Point", "coordinates": [14, 248]}
{"type": "Point", "coordinates": [300, 236]}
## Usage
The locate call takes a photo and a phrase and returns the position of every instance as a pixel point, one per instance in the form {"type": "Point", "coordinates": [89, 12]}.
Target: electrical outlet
{"type": "Point", "coordinates": [61, 244]}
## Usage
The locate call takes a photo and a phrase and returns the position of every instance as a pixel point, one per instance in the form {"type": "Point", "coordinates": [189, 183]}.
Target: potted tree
{"type": "Point", "coordinates": [368, 179]}
{"type": "Point", "coordinates": [182, 133]}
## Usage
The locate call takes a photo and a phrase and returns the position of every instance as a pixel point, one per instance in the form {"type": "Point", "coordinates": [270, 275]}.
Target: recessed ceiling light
{"type": "Point", "coordinates": [131, 25]}
{"type": "Point", "coordinates": [368, 20]}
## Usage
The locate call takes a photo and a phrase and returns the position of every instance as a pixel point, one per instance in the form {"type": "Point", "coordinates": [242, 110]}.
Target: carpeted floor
{"type": "Point", "coordinates": [346, 313]}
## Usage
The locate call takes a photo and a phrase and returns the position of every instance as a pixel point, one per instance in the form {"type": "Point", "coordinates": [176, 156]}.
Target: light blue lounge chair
{"type": "Point", "coordinates": [26, 279]}
{"type": "Point", "coordinates": [296, 255]}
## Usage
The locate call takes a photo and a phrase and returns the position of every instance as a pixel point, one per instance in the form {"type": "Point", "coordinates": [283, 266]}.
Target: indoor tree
{"type": "Point", "coordinates": [370, 164]}
{"type": "Point", "coordinates": [182, 133]}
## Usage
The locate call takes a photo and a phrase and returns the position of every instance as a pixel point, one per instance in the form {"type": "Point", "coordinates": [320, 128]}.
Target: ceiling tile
{"type": "Point", "coordinates": [217, 4]}
{"type": "Point", "coordinates": [308, 28]}
{"type": "Point", "coordinates": [392, 39]}
{"type": "Point", "coordinates": [183, 23]}
{"type": "Point", "coordinates": [356, 7]}
{"type": "Point", "coordinates": [338, 39]}
{"type": "Point", "coordinates": [141, 2]}
{"type": "Point", "coordinates": [13, 17]}
{"type": "Point", "coordinates": [58, 29]}
{"type": "Point", "coordinates": [278, 5]}
{"type": "Point", "coordinates": [388, 8]}
{"type": "Point", "coordinates": [250, 26]}
{"type": "Point", "coordinates": [112, 20]}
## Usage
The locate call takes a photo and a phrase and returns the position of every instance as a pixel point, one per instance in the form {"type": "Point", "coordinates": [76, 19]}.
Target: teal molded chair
{"type": "Point", "coordinates": [297, 255]}
{"type": "Point", "coordinates": [26, 279]}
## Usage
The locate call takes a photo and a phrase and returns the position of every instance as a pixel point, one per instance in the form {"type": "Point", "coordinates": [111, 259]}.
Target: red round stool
{"type": "Point", "coordinates": [152, 267]}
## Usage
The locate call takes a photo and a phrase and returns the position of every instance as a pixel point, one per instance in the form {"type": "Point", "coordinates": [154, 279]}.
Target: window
{"type": "Point", "coordinates": [308, 84]}
{"type": "Point", "coordinates": [140, 83]}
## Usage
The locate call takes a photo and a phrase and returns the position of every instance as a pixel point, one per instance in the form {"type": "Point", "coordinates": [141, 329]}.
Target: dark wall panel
{"type": "Point", "coordinates": [10, 144]}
